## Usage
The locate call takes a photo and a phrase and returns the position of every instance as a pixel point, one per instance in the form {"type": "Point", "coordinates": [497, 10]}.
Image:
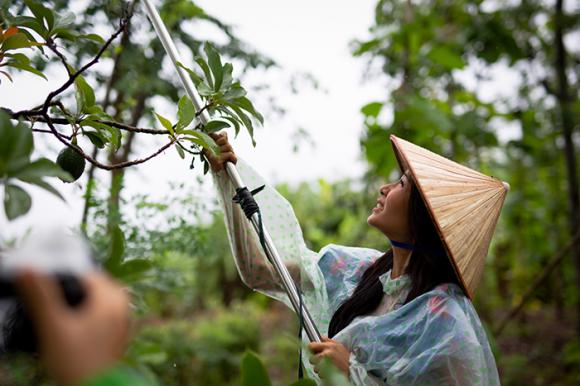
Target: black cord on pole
{"type": "Point", "coordinates": [245, 198]}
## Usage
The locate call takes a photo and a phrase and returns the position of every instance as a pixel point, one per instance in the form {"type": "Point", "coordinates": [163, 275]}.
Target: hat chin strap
{"type": "Point", "coordinates": [398, 244]}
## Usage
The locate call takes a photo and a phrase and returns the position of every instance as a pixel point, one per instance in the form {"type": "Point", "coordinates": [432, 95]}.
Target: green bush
{"type": "Point", "coordinates": [204, 351]}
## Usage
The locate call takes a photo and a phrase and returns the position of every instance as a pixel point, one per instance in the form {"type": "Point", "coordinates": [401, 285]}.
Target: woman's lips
{"type": "Point", "coordinates": [378, 208]}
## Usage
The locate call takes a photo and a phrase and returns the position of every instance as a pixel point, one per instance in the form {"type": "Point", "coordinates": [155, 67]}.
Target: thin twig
{"type": "Point", "coordinates": [50, 132]}
{"type": "Point", "coordinates": [197, 114]}
{"type": "Point", "coordinates": [134, 129]}
{"type": "Point", "coordinates": [187, 150]}
{"type": "Point", "coordinates": [72, 78]}
{"type": "Point", "coordinates": [52, 45]}
{"type": "Point", "coordinates": [98, 164]}
{"type": "Point", "coordinates": [39, 117]}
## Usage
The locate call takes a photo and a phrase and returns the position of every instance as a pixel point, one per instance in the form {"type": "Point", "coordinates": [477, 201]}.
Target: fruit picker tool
{"type": "Point", "coordinates": [243, 195]}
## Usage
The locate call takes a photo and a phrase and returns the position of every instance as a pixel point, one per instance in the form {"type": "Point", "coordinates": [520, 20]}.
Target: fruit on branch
{"type": "Point", "coordinates": [72, 162]}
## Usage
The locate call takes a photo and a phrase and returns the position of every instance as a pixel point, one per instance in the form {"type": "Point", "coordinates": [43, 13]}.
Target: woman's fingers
{"type": "Point", "coordinates": [316, 347]}
{"type": "Point", "coordinates": [221, 141]}
{"type": "Point", "coordinates": [319, 346]}
{"type": "Point", "coordinates": [220, 138]}
{"type": "Point", "coordinates": [226, 152]}
{"type": "Point", "coordinates": [229, 157]}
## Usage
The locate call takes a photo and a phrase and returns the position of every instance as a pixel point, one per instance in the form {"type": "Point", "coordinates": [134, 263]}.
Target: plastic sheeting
{"type": "Point", "coordinates": [436, 339]}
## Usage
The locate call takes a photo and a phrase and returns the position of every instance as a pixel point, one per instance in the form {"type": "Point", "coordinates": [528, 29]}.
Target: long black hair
{"type": "Point", "coordinates": [428, 267]}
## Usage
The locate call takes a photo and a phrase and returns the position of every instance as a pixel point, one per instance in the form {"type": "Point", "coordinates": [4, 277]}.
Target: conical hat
{"type": "Point", "coordinates": [464, 205]}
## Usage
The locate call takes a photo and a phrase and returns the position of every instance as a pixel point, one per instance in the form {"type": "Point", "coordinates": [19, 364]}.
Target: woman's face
{"type": "Point", "coordinates": [391, 215]}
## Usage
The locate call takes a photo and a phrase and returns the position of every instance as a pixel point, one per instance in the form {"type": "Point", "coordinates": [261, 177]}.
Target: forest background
{"type": "Point", "coordinates": [433, 67]}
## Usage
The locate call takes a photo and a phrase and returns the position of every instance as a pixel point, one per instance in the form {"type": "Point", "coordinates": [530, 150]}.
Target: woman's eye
{"type": "Point", "coordinates": [402, 183]}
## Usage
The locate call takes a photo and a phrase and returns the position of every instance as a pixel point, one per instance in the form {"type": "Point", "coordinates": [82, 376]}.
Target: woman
{"type": "Point", "coordinates": [403, 317]}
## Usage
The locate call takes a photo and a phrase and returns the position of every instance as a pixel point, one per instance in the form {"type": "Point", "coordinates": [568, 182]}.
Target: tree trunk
{"type": "Point", "coordinates": [114, 216]}
{"type": "Point", "coordinates": [567, 125]}
{"type": "Point", "coordinates": [115, 75]}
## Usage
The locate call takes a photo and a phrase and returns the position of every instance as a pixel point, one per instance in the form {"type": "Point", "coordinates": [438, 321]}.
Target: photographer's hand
{"type": "Point", "coordinates": [77, 343]}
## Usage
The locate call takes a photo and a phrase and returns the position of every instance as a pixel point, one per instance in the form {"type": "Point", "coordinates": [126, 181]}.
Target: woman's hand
{"type": "Point", "coordinates": [77, 343]}
{"type": "Point", "coordinates": [333, 350]}
{"type": "Point", "coordinates": [226, 154]}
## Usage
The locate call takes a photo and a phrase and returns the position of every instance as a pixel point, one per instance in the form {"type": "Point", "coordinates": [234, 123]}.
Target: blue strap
{"type": "Point", "coordinates": [399, 244]}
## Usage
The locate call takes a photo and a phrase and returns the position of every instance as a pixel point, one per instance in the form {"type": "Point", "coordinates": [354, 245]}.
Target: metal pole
{"type": "Point", "coordinates": [271, 252]}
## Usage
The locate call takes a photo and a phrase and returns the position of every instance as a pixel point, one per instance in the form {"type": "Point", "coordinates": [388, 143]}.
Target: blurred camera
{"type": "Point", "coordinates": [57, 252]}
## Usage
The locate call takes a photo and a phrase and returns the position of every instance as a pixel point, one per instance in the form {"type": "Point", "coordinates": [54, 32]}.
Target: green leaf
{"type": "Point", "coordinates": [445, 57]}
{"type": "Point", "coordinates": [213, 126]}
{"type": "Point", "coordinates": [16, 41]}
{"type": "Point", "coordinates": [116, 250]}
{"type": "Point", "coordinates": [230, 117]}
{"type": "Point", "coordinates": [94, 37]}
{"type": "Point", "coordinates": [235, 92]}
{"type": "Point", "coordinates": [41, 12]}
{"type": "Point", "coordinates": [204, 90]}
{"type": "Point", "coordinates": [16, 201]}
{"type": "Point", "coordinates": [94, 124]}
{"type": "Point", "coordinates": [372, 109]}
{"type": "Point", "coordinates": [42, 167]}
{"type": "Point", "coordinates": [331, 375]}
{"type": "Point", "coordinates": [64, 33]}
{"type": "Point", "coordinates": [196, 78]}
{"type": "Point", "coordinates": [85, 93]}
{"type": "Point", "coordinates": [245, 119]}
{"type": "Point", "coordinates": [63, 21]}
{"type": "Point", "coordinates": [131, 268]}
{"type": "Point", "coordinates": [215, 65]}
{"type": "Point", "coordinates": [185, 112]}
{"type": "Point", "coordinates": [44, 185]}
{"type": "Point", "coordinates": [115, 139]}
{"type": "Point", "coordinates": [180, 151]}
{"type": "Point", "coordinates": [114, 134]}
{"type": "Point", "coordinates": [200, 138]}
{"type": "Point", "coordinates": [253, 371]}
{"type": "Point", "coordinates": [205, 68]}
{"type": "Point", "coordinates": [97, 113]}
{"type": "Point", "coordinates": [96, 138]}
{"type": "Point", "coordinates": [227, 76]}
{"type": "Point", "coordinates": [26, 67]}
{"type": "Point", "coordinates": [165, 123]}
{"type": "Point", "coordinates": [30, 22]}
{"type": "Point", "coordinates": [16, 144]}
{"type": "Point", "coordinates": [245, 104]}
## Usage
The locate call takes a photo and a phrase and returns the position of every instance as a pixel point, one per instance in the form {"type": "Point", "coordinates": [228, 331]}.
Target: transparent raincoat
{"type": "Point", "coordinates": [436, 339]}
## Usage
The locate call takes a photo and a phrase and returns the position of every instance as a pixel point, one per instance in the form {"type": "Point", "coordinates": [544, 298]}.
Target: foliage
{"type": "Point", "coordinates": [439, 57]}
{"type": "Point", "coordinates": [16, 166]}
{"type": "Point", "coordinates": [12, 39]}
{"type": "Point", "coordinates": [253, 371]}
{"type": "Point", "coordinates": [330, 213]}
{"type": "Point", "coordinates": [177, 262]}
{"type": "Point", "coordinates": [206, 350]}
{"type": "Point", "coordinates": [219, 91]}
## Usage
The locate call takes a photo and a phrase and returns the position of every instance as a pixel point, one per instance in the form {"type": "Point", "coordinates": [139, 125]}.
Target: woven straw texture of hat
{"type": "Point", "coordinates": [464, 205]}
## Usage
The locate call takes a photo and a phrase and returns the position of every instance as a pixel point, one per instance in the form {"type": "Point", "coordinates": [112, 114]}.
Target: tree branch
{"type": "Point", "coordinates": [52, 45]}
{"type": "Point", "coordinates": [122, 24]}
{"type": "Point", "coordinates": [98, 164]}
{"type": "Point", "coordinates": [33, 116]}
